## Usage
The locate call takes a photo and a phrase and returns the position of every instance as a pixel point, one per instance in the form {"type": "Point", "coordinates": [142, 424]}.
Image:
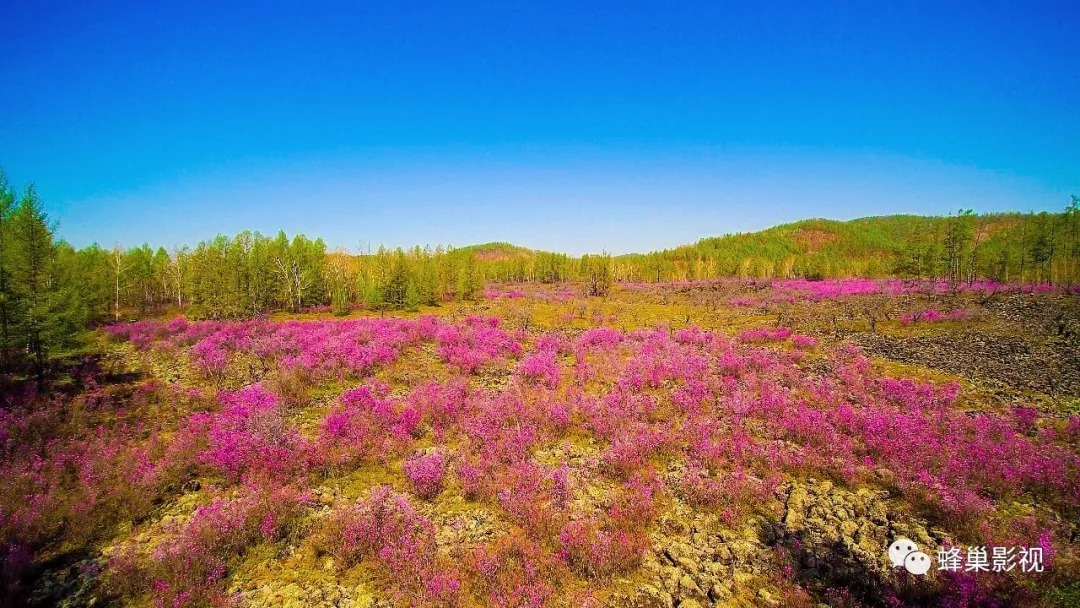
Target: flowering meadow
{"type": "Point", "coordinates": [478, 460]}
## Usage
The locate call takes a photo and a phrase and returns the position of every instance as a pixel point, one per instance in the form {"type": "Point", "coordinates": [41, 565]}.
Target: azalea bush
{"type": "Point", "coordinates": [598, 550]}
{"type": "Point", "coordinates": [385, 529]}
{"type": "Point", "coordinates": [189, 563]}
{"type": "Point", "coordinates": [426, 473]}
{"type": "Point", "coordinates": [932, 315]}
{"type": "Point", "coordinates": [515, 572]}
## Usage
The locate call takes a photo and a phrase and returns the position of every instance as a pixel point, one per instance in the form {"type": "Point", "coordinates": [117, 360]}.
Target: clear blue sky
{"type": "Point", "coordinates": [571, 126]}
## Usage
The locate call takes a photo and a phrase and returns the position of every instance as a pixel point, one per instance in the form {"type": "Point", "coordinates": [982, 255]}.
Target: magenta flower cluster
{"type": "Point", "coordinates": [426, 474]}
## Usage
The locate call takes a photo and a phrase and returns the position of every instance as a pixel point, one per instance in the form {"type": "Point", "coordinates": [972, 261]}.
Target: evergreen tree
{"type": "Point", "coordinates": [86, 271]}
{"type": "Point", "coordinates": [596, 270]}
{"type": "Point", "coordinates": [1072, 241]}
{"type": "Point", "coordinates": [428, 282]}
{"type": "Point", "coordinates": [469, 284]}
{"type": "Point", "coordinates": [7, 296]}
{"type": "Point", "coordinates": [49, 314]}
{"type": "Point", "coordinates": [373, 298]}
{"type": "Point", "coordinates": [412, 296]}
{"type": "Point", "coordinates": [394, 290]}
{"type": "Point", "coordinates": [1043, 246]}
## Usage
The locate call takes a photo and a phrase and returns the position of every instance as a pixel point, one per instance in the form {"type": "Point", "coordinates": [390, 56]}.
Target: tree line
{"type": "Point", "coordinates": [251, 274]}
{"type": "Point", "coordinates": [51, 291]}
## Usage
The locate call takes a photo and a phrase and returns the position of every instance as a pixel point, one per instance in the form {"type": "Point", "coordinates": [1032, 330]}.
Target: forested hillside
{"type": "Point", "coordinates": [251, 274]}
{"type": "Point", "coordinates": [46, 284]}
{"type": "Point", "coordinates": [1013, 247]}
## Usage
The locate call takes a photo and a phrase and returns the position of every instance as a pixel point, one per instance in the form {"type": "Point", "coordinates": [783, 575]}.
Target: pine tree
{"type": "Point", "coordinates": [50, 314]}
{"type": "Point", "coordinates": [398, 282]}
{"type": "Point", "coordinates": [32, 247]}
{"type": "Point", "coordinates": [7, 203]}
{"type": "Point", "coordinates": [469, 283]}
{"type": "Point", "coordinates": [1072, 235]}
{"type": "Point", "coordinates": [428, 286]}
{"type": "Point", "coordinates": [597, 272]}
{"type": "Point", "coordinates": [412, 296]}
{"type": "Point", "coordinates": [373, 298]}
{"type": "Point", "coordinates": [1043, 247]}
{"type": "Point", "coordinates": [957, 241]}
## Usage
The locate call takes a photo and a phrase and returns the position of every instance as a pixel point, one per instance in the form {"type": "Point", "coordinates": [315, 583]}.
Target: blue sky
{"type": "Point", "coordinates": [569, 126]}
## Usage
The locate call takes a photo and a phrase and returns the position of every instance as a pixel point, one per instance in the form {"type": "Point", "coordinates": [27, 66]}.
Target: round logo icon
{"type": "Point", "coordinates": [900, 549]}
{"type": "Point", "coordinates": [917, 562]}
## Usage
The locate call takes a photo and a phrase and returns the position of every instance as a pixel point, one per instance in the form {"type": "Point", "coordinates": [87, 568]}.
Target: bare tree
{"type": "Point", "coordinates": [116, 260]}
{"type": "Point", "coordinates": [175, 270]}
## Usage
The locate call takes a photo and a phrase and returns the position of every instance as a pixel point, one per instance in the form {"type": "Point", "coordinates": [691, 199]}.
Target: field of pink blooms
{"type": "Point", "coordinates": [476, 460]}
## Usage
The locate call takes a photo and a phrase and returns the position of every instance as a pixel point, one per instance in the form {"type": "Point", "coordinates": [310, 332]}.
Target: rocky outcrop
{"type": "Point", "coordinates": [696, 561]}
{"type": "Point", "coordinates": [838, 539]}
{"type": "Point", "coordinates": [300, 595]}
{"type": "Point", "coordinates": [833, 538]}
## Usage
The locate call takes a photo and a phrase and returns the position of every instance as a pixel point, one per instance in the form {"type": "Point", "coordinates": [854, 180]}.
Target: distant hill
{"type": "Point", "coordinates": [1004, 246]}
{"type": "Point", "coordinates": [491, 252]}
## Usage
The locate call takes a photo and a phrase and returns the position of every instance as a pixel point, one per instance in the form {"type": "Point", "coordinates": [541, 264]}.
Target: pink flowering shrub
{"type": "Point", "coordinates": [561, 489]}
{"type": "Point", "coordinates": [210, 358]}
{"type": "Point", "coordinates": [531, 497]}
{"type": "Point", "coordinates": [636, 506]}
{"type": "Point", "coordinates": [514, 572]}
{"type": "Point", "coordinates": [442, 589]}
{"type": "Point", "coordinates": [363, 530]}
{"type": "Point", "coordinates": [1026, 419]}
{"type": "Point", "coordinates": [1072, 428]}
{"type": "Point", "coordinates": [845, 288]}
{"type": "Point", "coordinates": [597, 550]}
{"type": "Point", "coordinates": [68, 478]}
{"type": "Point", "coordinates": [426, 474]}
{"type": "Point", "coordinates": [471, 346]}
{"type": "Point", "coordinates": [553, 343]}
{"type": "Point", "coordinates": [804, 342]}
{"type": "Point", "coordinates": [251, 435]}
{"type": "Point", "coordinates": [630, 451]}
{"type": "Point", "coordinates": [729, 420]}
{"type": "Point", "coordinates": [505, 428]}
{"type": "Point", "coordinates": [602, 338]}
{"type": "Point", "coordinates": [932, 315]}
{"type": "Point", "coordinates": [189, 566]}
{"type": "Point", "coordinates": [474, 479]}
{"type": "Point", "coordinates": [311, 349]}
{"type": "Point", "coordinates": [363, 425]}
{"type": "Point", "coordinates": [442, 405]}
{"type": "Point", "coordinates": [540, 367]}
{"type": "Point", "coordinates": [386, 529]}
{"type": "Point", "coordinates": [735, 493]}
{"type": "Point", "coordinates": [765, 335]}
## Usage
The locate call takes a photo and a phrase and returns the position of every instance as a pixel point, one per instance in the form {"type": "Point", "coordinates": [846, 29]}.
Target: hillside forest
{"type": "Point", "coordinates": [50, 291]}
